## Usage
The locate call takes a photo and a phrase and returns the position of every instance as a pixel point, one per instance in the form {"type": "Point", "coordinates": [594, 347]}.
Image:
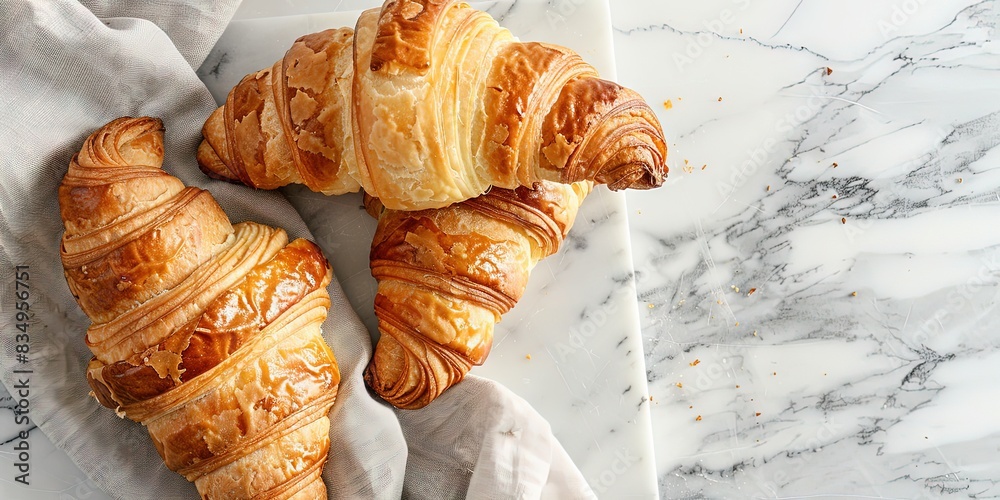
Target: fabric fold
{"type": "Point", "coordinates": [67, 68]}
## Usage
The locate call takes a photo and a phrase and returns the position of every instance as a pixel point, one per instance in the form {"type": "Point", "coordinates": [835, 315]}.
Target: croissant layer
{"type": "Point", "coordinates": [205, 332]}
{"type": "Point", "coordinates": [446, 276]}
{"type": "Point", "coordinates": [428, 103]}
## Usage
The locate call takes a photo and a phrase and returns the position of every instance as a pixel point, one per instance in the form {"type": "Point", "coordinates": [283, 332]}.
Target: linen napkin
{"type": "Point", "coordinates": [67, 68]}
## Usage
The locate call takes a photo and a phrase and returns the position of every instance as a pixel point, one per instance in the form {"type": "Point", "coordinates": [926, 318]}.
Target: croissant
{"type": "Point", "coordinates": [207, 333]}
{"type": "Point", "coordinates": [427, 103]}
{"type": "Point", "coordinates": [445, 276]}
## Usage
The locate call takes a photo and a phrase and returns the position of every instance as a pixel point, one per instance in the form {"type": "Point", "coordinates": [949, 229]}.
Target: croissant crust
{"type": "Point", "coordinates": [446, 276]}
{"type": "Point", "coordinates": [429, 103]}
{"type": "Point", "coordinates": [205, 332]}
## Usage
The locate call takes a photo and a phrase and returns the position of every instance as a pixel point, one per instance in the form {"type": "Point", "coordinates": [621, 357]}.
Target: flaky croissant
{"type": "Point", "coordinates": [205, 332]}
{"type": "Point", "coordinates": [445, 276]}
{"type": "Point", "coordinates": [428, 103]}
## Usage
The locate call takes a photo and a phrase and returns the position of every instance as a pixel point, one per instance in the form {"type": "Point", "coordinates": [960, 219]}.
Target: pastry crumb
{"type": "Point", "coordinates": [698, 418]}
{"type": "Point", "coordinates": [667, 104]}
{"type": "Point", "coordinates": [527, 356]}
{"type": "Point", "coordinates": [751, 291]}
{"type": "Point", "coordinates": [695, 362]}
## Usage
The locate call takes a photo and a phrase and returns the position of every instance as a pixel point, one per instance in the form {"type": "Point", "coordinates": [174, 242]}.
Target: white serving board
{"type": "Point", "coordinates": [578, 320]}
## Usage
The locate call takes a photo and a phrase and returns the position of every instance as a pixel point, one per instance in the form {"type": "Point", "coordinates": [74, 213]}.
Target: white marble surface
{"type": "Point", "coordinates": [864, 362]}
{"type": "Point", "coordinates": [859, 204]}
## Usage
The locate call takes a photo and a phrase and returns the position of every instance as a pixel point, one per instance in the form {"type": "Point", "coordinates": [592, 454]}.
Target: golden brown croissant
{"type": "Point", "coordinates": [445, 276]}
{"type": "Point", "coordinates": [205, 332]}
{"type": "Point", "coordinates": [428, 103]}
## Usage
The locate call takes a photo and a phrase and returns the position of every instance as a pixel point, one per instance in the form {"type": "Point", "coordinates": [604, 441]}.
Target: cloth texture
{"type": "Point", "coordinates": [66, 69]}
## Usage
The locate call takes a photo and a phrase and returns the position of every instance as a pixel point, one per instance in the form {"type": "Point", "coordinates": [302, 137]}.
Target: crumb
{"type": "Point", "coordinates": [854, 294]}
{"type": "Point", "coordinates": [650, 397]}
{"type": "Point", "coordinates": [756, 414]}
{"type": "Point", "coordinates": [651, 306]}
{"type": "Point", "coordinates": [834, 197]}
{"type": "Point", "coordinates": [737, 386]}
{"type": "Point", "coordinates": [698, 418]}
{"type": "Point", "coordinates": [695, 362]}
{"type": "Point", "coordinates": [774, 374]}
{"type": "Point", "coordinates": [843, 220]}
{"type": "Point", "coordinates": [690, 407]}
{"type": "Point", "coordinates": [638, 212]}
{"type": "Point", "coordinates": [667, 104]}
{"type": "Point", "coordinates": [703, 167]}
{"type": "Point", "coordinates": [960, 180]}
{"type": "Point", "coordinates": [741, 31]}
{"type": "Point", "coordinates": [755, 333]}
{"type": "Point", "coordinates": [737, 323]}
{"type": "Point", "coordinates": [751, 291]}
{"type": "Point", "coordinates": [829, 70]}
{"type": "Point", "coordinates": [687, 169]}
{"type": "Point", "coordinates": [720, 99]}
{"type": "Point", "coordinates": [768, 188]}
{"type": "Point", "coordinates": [680, 98]}
{"type": "Point", "coordinates": [527, 356]}
{"type": "Point", "coordinates": [735, 288]}
{"type": "Point", "coordinates": [679, 385]}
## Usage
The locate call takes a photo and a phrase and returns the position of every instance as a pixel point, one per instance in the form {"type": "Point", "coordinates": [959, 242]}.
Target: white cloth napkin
{"type": "Point", "coordinates": [66, 68]}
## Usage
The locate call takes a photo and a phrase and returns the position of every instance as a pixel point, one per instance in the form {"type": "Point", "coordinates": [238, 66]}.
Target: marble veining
{"type": "Point", "coordinates": [819, 316]}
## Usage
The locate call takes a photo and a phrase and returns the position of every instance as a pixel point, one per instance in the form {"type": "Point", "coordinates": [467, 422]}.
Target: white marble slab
{"type": "Point", "coordinates": [860, 204]}
{"type": "Point", "coordinates": [572, 346]}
